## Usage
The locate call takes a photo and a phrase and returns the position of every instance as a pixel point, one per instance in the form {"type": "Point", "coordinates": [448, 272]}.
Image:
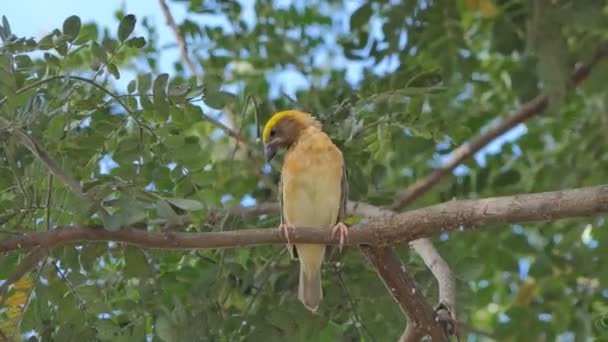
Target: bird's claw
{"type": "Point", "coordinates": [284, 229]}
{"type": "Point", "coordinates": [341, 229]}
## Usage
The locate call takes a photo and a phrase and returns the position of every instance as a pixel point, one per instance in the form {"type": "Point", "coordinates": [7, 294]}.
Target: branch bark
{"type": "Point", "coordinates": [421, 316]}
{"type": "Point", "coordinates": [381, 231]}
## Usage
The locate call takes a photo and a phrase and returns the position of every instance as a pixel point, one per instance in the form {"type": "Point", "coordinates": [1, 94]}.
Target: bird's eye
{"type": "Point", "coordinates": [273, 132]}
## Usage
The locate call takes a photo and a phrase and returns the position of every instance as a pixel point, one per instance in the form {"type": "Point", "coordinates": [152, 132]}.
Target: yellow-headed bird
{"type": "Point", "coordinates": [312, 191]}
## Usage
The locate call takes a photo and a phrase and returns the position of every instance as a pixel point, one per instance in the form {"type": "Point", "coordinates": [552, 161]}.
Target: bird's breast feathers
{"type": "Point", "coordinates": [311, 177]}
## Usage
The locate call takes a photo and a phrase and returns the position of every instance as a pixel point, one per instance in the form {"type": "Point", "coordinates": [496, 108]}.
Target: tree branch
{"type": "Point", "coordinates": [381, 231]}
{"type": "Point", "coordinates": [467, 150]}
{"type": "Point", "coordinates": [421, 317]}
{"type": "Point", "coordinates": [179, 37]}
{"type": "Point", "coordinates": [424, 247]}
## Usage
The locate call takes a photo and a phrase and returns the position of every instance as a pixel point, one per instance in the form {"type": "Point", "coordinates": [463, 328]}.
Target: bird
{"type": "Point", "coordinates": [313, 191]}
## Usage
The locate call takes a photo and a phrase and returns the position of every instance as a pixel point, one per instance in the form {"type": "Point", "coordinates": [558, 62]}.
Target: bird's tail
{"type": "Point", "coordinates": [310, 291]}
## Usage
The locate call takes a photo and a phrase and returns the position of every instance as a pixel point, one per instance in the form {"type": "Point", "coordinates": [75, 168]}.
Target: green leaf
{"type": "Point", "coordinates": [71, 27]}
{"type": "Point", "coordinates": [507, 178]}
{"type": "Point", "coordinates": [106, 329]}
{"type": "Point", "coordinates": [6, 26]}
{"type": "Point", "coordinates": [8, 86]}
{"type": "Point", "coordinates": [62, 48]}
{"type": "Point", "coordinates": [52, 59]}
{"type": "Point", "coordinates": [144, 82]}
{"type": "Point", "coordinates": [469, 269]}
{"type": "Point", "coordinates": [164, 210]}
{"type": "Point", "coordinates": [186, 204]}
{"type": "Point", "coordinates": [130, 211]}
{"type": "Point", "coordinates": [126, 26]}
{"type": "Point", "coordinates": [47, 43]}
{"type": "Point", "coordinates": [136, 42]}
{"type": "Point", "coordinates": [113, 70]}
{"type": "Point", "coordinates": [159, 94]}
{"type": "Point", "coordinates": [99, 55]}
{"type": "Point", "coordinates": [136, 263]}
{"type": "Point", "coordinates": [88, 33]}
{"type": "Point", "coordinates": [219, 99]}
{"type": "Point", "coordinates": [56, 128]}
{"type": "Point", "coordinates": [131, 86]}
{"type": "Point", "coordinates": [361, 16]}
{"type": "Point", "coordinates": [164, 329]}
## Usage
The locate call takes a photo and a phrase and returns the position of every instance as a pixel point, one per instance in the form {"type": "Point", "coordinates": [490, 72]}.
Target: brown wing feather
{"type": "Point", "coordinates": [293, 251]}
{"type": "Point", "coordinates": [342, 212]}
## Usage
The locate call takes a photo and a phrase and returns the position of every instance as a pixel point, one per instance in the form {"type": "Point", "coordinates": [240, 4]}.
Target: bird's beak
{"type": "Point", "coordinates": [270, 149]}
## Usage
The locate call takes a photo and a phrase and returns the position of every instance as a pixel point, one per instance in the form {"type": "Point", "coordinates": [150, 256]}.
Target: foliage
{"type": "Point", "coordinates": [432, 74]}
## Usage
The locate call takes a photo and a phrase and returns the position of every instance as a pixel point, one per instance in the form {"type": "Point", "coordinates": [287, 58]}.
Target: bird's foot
{"type": "Point", "coordinates": [284, 230]}
{"type": "Point", "coordinates": [341, 229]}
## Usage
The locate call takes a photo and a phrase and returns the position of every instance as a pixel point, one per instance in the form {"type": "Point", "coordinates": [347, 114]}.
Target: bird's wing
{"type": "Point", "coordinates": [344, 194]}
{"type": "Point", "coordinates": [329, 250]}
{"type": "Point", "coordinates": [292, 249]}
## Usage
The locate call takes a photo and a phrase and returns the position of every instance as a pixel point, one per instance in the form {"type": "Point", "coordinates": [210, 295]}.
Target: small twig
{"type": "Point", "coordinates": [265, 274]}
{"type": "Point", "coordinates": [68, 283]}
{"type": "Point", "coordinates": [179, 37]}
{"type": "Point", "coordinates": [48, 202]}
{"type": "Point", "coordinates": [359, 323]}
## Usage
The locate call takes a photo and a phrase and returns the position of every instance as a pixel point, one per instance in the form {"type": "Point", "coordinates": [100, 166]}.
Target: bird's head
{"type": "Point", "coordinates": [284, 129]}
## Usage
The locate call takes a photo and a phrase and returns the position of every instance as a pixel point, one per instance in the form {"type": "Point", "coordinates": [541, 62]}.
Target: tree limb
{"type": "Point", "coordinates": [421, 317]}
{"type": "Point", "coordinates": [424, 247]}
{"type": "Point", "coordinates": [382, 231]}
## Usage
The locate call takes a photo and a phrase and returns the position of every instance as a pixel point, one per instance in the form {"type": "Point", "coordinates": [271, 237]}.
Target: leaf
{"type": "Point", "coordinates": [136, 42]}
{"type": "Point", "coordinates": [106, 329]}
{"type": "Point", "coordinates": [130, 211]}
{"type": "Point", "coordinates": [131, 86]}
{"type": "Point", "coordinates": [88, 33]}
{"type": "Point", "coordinates": [6, 26]}
{"type": "Point", "coordinates": [486, 8]}
{"type": "Point", "coordinates": [469, 268]}
{"type": "Point", "coordinates": [56, 128]}
{"type": "Point", "coordinates": [219, 99]}
{"type": "Point", "coordinates": [62, 48]}
{"type": "Point", "coordinates": [8, 86]}
{"type": "Point", "coordinates": [126, 26]}
{"type": "Point", "coordinates": [113, 70]}
{"type": "Point", "coordinates": [136, 264]}
{"type": "Point", "coordinates": [46, 43]}
{"type": "Point", "coordinates": [164, 210]}
{"type": "Point", "coordinates": [186, 204]}
{"type": "Point", "coordinates": [159, 93]}
{"type": "Point", "coordinates": [71, 27]}
{"type": "Point", "coordinates": [507, 178]}
{"type": "Point", "coordinates": [361, 16]}
{"type": "Point", "coordinates": [164, 329]}
{"type": "Point", "coordinates": [99, 54]}
{"type": "Point", "coordinates": [144, 82]}
{"type": "Point", "coordinates": [52, 59]}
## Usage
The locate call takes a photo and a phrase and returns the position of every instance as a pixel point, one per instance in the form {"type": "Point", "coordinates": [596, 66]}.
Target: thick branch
{"type": "Point", "coordinates": [383, 231]}
{"type": "Point", "coordinates": [467, 150]}
{"type": "Point", "coordinates": [421, 317]}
